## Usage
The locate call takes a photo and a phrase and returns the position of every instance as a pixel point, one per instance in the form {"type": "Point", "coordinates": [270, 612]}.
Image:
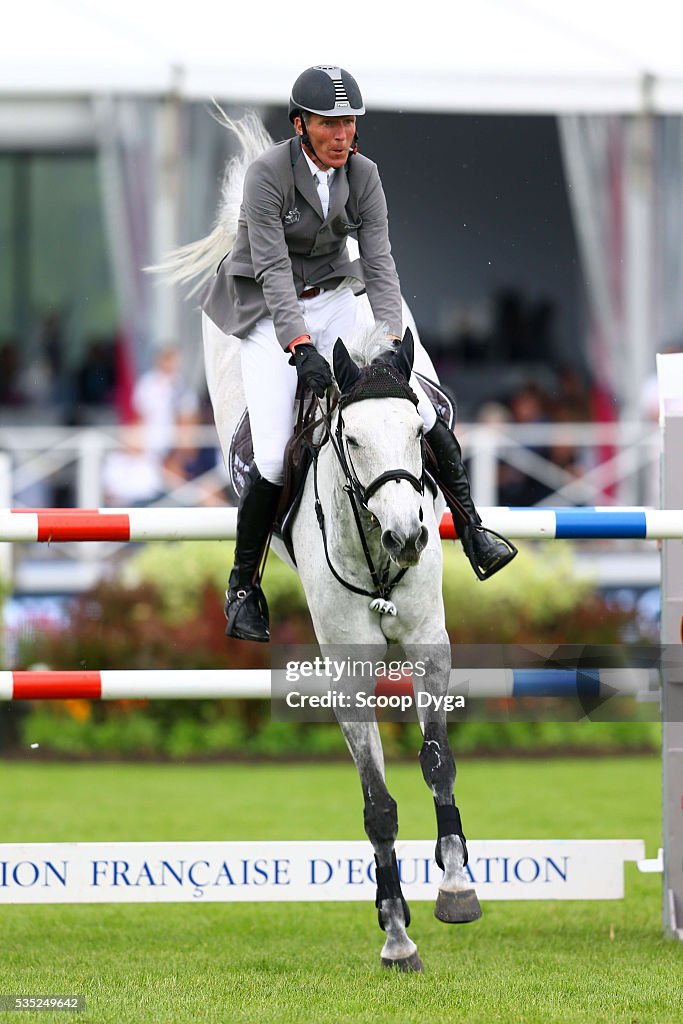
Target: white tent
{"type": "Point", "coordinates": [451, 55]}
{"type": "Point", "coordinates": [118, 73]}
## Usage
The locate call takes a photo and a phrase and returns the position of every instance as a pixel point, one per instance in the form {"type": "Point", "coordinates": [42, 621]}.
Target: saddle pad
{"type": "Point", "coordinates": [440, 399]}
{"type": "Point", "coordinates": [241, 452]}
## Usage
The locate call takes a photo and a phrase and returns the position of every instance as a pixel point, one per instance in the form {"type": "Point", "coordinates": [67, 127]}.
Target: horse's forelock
{"type": "Point", "coordinates": [371, 344]}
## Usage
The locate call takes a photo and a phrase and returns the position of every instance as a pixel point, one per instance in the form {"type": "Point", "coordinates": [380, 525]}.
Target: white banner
{"type": "Point", "coordinates": [515, 869]}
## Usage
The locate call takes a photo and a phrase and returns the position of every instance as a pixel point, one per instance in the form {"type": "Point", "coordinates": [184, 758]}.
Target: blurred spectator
{"type": "Point", "coordinates": [161, 401]}
{"type": "Point", "coordinates": [131, 476]}
{"type": "Point", "coordinates": [45, 378]}
{"type": "Point", "coordinates": [571, 403]}
{"type": "Point", "coordinates": [564, 453]}
{"type": "Point", "coordinates": [51, 338]}
{"type": "Point", "coordinates": [95, 377]}
{"type": "Point", "coordinates": [527, 406]}
{"type": "Point", "coordinates": [189, 463]}
{"type": "Point", "coordinates": [494, 414]}
{"type": "Point", "coordinates": [10, 392]}
{"type": "Point", "coordinates": [573, 395]}
{"type": "Point", "coordinates": [145, 469]}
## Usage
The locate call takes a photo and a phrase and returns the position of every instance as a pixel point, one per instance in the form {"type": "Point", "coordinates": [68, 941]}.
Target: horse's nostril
{"type": "Point", "coordinates": [392, 540]}
{"type": "Point", "coordinates": [395, 541]}
{"type": "Point", "coordinates": [422, 538]}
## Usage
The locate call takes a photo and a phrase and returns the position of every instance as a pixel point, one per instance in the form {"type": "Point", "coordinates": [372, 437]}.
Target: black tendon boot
{"type": "Point", "coordinates": [245, 608]}
{"type": "Point", "coordinates": [486, 551]}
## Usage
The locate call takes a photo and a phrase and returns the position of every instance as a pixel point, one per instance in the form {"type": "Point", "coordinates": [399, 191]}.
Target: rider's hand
{"type": "Point", "coordinates": [312, 369]}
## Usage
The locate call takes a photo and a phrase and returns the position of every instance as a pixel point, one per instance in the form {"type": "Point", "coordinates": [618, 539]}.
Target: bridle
{"type": "Point", "coordinates": [364, 493]}
{"type": "Point", "coordinates": [359, 495]}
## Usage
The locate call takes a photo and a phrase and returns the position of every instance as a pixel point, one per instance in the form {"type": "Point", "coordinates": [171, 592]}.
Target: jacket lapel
{"type": "Point", "coordinates": [339, 194]}
{"type": "Point", "coordinates": [303, 179]}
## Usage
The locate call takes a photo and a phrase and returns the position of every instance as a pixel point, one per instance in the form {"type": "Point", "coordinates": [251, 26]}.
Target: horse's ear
{"type": "Point", "coordinates": [402, 358]}
{"type": "Point", "coordinates": [346, 372]}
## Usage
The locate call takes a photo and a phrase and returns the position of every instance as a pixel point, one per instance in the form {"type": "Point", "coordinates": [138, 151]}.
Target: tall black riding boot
{"type": "Point", "coordinates": [486, 551]}
{"type": "Point", "coordinates": [245, 607]}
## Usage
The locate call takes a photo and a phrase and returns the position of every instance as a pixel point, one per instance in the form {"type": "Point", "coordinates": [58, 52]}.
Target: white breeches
{"type": "Point", "coordinates": [270, 382]}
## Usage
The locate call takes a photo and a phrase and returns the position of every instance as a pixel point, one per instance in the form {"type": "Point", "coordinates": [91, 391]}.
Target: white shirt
{"type": "Point", "coordinates": [320, 185]}
{"type": "Point", "coordinates": [351, 243]}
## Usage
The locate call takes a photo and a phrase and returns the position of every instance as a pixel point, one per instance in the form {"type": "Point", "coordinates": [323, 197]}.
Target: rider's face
{"type": "Point", "coordinates": [331, 138]}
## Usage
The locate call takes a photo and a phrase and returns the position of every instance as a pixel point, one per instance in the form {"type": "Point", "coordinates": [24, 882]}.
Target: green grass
{"type": "Point", "coordinates": [562, 962]}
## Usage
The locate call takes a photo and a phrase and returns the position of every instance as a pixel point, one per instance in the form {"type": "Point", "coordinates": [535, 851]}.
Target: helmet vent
{"type": "Point", "coordinates": [340, 97]}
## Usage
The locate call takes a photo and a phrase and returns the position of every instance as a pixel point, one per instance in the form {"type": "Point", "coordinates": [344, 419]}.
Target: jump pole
{"type": "Point", "coordinates": [51, 525]}
{"type": "Point", "coordinates": [245, 684]}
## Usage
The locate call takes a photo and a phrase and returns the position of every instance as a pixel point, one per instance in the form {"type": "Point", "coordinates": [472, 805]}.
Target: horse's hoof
{"type": "Point", "coordinates": [408, 965]}
{"type": "Point", "coordinates": [457, 907]}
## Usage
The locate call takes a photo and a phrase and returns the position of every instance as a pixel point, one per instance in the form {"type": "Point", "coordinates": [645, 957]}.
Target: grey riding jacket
{"type": "Point", "coordinates": [285, 246]}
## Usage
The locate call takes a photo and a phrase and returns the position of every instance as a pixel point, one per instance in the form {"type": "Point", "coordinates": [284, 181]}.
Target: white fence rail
{"type": "Point", "coordinates": [608, 459]}
{"type": "Point", "coordinates": [575, 463]}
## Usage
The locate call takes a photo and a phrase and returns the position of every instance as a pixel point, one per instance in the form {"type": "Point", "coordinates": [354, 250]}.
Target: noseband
{"type": "Point", "coordinates": [375, 381]}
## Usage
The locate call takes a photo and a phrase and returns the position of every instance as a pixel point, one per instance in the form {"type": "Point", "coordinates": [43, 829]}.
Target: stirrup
{"type": "Point", "coordinates": [498, 562]}
{"type": "Point", "coordinates": [249, 605]}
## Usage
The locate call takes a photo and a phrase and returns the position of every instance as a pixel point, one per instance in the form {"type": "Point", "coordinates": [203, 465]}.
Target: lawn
{"type": "Point", "coordinates": [541, 962]}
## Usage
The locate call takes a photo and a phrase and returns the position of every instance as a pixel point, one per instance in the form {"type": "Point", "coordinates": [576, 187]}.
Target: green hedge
{"type": "Point", "coordinates": [165, 611]}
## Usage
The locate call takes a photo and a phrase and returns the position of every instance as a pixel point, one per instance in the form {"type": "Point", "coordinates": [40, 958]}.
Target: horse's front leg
{"type": "Point", "coordinates": [457, 901]}
{"type": "Point", "coordinates": [381, 825]}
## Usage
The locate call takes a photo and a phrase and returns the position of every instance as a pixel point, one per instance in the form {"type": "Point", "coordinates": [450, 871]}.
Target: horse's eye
{"type": "Point", "coordinates": [351, 441]}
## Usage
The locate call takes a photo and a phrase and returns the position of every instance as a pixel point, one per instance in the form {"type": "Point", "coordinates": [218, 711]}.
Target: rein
{"type": "Point", "coordinates": [359, 496]}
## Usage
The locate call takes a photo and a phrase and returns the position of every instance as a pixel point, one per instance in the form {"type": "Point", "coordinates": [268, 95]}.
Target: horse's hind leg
{"type": "Point", "coordinates": [381, 825]}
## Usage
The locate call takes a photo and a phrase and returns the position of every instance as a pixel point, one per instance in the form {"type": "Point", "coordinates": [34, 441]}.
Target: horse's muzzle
{"type": "Point", "coordinates": [405, 550]}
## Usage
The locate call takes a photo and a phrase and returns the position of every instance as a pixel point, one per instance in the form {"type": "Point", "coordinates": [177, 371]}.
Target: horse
{"type": "Point", "coordinates": [367, 548]}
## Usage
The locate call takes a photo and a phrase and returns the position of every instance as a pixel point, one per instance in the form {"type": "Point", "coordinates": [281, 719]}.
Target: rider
{"type": "Point", "coordinates": [290, 288]}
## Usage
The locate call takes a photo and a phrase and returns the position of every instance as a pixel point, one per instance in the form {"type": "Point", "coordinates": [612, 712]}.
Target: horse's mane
{"type": "Point", "coordinates": [197, 261]}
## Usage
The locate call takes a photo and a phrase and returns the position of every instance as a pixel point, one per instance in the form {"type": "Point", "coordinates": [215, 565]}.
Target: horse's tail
{"type": "Point", "coordinates": [197, 261]}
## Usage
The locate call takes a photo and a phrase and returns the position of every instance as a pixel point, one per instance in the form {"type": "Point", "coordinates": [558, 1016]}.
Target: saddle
{"type": "Point", "coordinates": [299, 455]}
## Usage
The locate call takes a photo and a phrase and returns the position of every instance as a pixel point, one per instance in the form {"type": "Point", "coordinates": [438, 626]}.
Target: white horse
{"type": "Point", "coordinates": [376, 450]}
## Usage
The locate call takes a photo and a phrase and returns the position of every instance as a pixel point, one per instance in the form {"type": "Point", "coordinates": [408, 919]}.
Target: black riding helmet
{"type": "Point", "coordinates": [325, 90]}
{"type": "Point", "coordinates": [328, 91]}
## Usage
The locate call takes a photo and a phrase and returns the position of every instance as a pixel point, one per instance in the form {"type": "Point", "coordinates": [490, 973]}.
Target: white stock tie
{"type": "Point", "coordinates": [323, 191]}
